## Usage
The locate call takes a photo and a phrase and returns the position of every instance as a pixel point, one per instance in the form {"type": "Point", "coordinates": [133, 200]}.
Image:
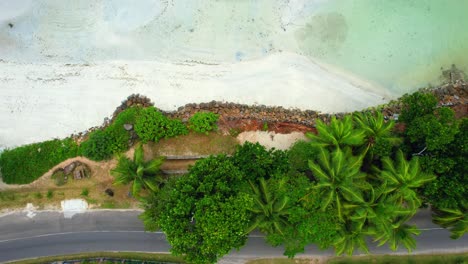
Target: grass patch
{"type": "Point", "coordinates": [25, 164]}
{"type": "Point", "coordinates": [194, 144]}
{"type": "Point", "coordinates": [163, 258]}
{"type": "Point", "coordinates": [461, 258]}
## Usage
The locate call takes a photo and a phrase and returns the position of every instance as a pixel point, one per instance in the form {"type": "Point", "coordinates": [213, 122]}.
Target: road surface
{"type": "Point", "coordinates": [49, 233]}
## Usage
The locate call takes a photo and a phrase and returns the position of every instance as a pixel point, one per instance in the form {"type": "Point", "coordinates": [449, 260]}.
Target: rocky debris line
{"type": "Point", "coordinates": [261, 113]}
{"type": "Point", "coordinates": [454, 93]}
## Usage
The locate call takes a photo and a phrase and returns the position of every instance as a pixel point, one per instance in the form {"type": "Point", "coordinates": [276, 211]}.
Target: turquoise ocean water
{"type": "Point", "coordinates": [400, 44]}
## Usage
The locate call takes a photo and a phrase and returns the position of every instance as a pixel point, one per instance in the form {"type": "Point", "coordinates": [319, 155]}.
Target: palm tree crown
{"type": "Point", "coordinates": [144, 175]}
{"type": "Point", "coordinates": [376, 129]}
{"type": "Point", "coordinates": [455, 219]}
{"type": "Point", "coordinates": [402, 179]}
{"type": "Point", "coordinates": [339, 178]}
{"type": "Point", "coordinates": [339, 133]}
{"type": "Point", "coordinates": [271, 209]}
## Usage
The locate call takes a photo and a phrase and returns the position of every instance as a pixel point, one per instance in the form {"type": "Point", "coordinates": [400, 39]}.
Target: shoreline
{"type": "Point", "coordinates": [45, 100]}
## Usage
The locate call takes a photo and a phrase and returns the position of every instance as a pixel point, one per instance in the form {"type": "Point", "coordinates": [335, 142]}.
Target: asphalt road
{"type": "Point", "coordinates": [49, 233]}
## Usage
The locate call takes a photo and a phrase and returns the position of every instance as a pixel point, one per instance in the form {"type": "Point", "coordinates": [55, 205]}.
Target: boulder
{"type": "Point", "coordinates": [69, 168]}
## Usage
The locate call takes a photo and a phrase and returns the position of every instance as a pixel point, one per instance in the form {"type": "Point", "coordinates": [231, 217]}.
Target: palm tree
{"type": "Point", "coordinates": [339, 133]}
{"type": "Point", "coordinates": [271, 206]}
{"type": "Point", "coordinates": [352, 237]}
{"type": "Point", "coordinates": [400, 233]}
{"type": "Point", "coordinates": [375, 210]}
{"type": "Point", "coordinates": [403, 178]}
{"type": "Point", "coordinates": [339, 178]}
{"type": "Point", "coordinates": [143, 175]}
{"type": "Point", "coordinates": [455, 219]}
{"type": "Point", "coordinates": [376, 130]}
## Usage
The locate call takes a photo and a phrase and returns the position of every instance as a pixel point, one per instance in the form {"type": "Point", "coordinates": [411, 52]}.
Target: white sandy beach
{"type": "Point", "coordinates": [63, 71]}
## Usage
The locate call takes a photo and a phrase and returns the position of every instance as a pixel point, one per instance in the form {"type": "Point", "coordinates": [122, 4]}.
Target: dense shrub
{"type": "Point", "coordinates": [203, 122]}
{"type": "Point", "coordinates": [441, 141]}
{"type": "Point", "coordinates": [102, 144]}
{"type": "Point", "coordinates": [255, 161]}
{"type": "Point", "coordinates": [299, 155]}
{"type": "Point", "coordinates": [152, 125]}
{"type": "Point", "coordinates": [26, 163]}
{"type": "Point", "coordinates": [98, 146]}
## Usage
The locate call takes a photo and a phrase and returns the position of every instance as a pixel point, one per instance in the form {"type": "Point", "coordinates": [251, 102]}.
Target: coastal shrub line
{"type": "Point", "coordinates": [102, 144]}
{"type": "Point", "coordinates": [24, 164]}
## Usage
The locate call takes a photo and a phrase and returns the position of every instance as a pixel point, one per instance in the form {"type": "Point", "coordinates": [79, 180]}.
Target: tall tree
{"type": "Point", "coordinates": [454, 219]}
{"type": "Point", "coordinates": [339, 178]}
{"type": "Point", "coordinates": [402, 178]}
{"type": "Point", "coordinates": [205, 215]}
{"type": "Point", "coordinates": [338, 134]}
{"type": "Point", "coordinates": [378, 133]}
{"type": "Point", "coordinates": [271, 206]}
{"type": "Point", "coordinates": [142, 174]}
{"type": "Point", "coordinates": [400, 233]}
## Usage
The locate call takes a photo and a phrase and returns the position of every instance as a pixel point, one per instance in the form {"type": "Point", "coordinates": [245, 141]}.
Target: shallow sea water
{"type": "Point", "coordinates": [401, 44]}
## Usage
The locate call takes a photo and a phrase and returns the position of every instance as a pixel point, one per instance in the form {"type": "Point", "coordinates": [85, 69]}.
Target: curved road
{"type": "Point", "coordinates": [49, 233]}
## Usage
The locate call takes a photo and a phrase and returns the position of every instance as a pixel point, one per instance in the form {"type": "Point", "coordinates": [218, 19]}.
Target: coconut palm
{"type": "Point", "coordinates": [271, 206]}
{"type": "Point", "coordinates": [339, 133]}
{"type": "Point", "coordinates": [375, 210]}
{"type": "Point", "coordinates": [400, 233]}
{"type": "Point", "coordinates": [351, 238]}
{"type": "Point", "coordinates": [455, 219]}
{"type": "Point", "coordinates": [402, 178]}
{"type": "Point", "coordinates": [339, 178]}
{"type": "Point", "coordinates": [376, 130]}
{"type": "Point", "coordinates": [142, 174]}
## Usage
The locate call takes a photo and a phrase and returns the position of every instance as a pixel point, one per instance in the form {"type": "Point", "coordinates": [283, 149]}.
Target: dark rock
{"type": "Point", "coordinates": [109, 192]}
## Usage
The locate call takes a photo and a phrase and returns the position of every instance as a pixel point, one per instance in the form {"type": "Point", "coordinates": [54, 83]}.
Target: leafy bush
{"type": "Point", "coordinates": [255, 161]}
{"type": "Point", "coordinates": [299, 155]}
{"type": "Point", "coordinates": [152, 125]}
{"type": "Point", "coordinates": [417, 105]}
{"type": "Point", "coordinates": [203, 122]}
{"type": "Point", "coordinates": [24, 164]}
{"type": "Point", "coordinates": [102, 144]}
{"type": "Point", "coordinates": [98, 146]}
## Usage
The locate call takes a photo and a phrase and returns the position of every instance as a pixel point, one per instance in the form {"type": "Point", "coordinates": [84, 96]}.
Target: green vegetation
{"type": "Point", "coordinates": [455, 219]}
{"type": "Point", "coordinates": [348, 183]}
{"type": "Point", "coordinates": [102, 144]}
{"type": "Point", "coordinates": [203, 122]}
{"type": "Point", "coordinates": [202, 214]}
{"type": "Point", "coordinates": [24, 164]}
{"type": "Point", "coordinates": [152, 125]}
{"type": "Point", "coordinates": [142, 174]}
{"type": "Point", "coordinates": [85, 192]}
{"type": "Point", "coordinates": [355, 179]}
{"type": "Point", "coordinates": [441, 142]}
{"type": "Point", "coordinates": [137, 256]}
{"type": "Point", "coordinates": [430, 133]}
